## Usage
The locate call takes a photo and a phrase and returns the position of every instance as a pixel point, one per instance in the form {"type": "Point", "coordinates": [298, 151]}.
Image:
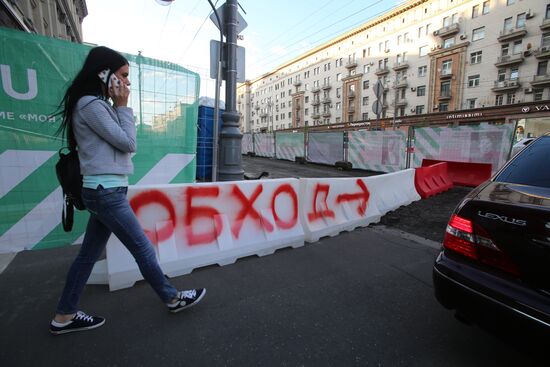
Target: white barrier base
{"type": "Point", "coordinates": [120, 279]}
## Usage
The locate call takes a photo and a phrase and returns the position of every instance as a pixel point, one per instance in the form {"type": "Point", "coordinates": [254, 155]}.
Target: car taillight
{"type": "Point", "coordinates": [475, 243]}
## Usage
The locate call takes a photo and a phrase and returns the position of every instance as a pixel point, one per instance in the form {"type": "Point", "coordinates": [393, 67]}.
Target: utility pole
{"type": "Point", "coordinates": [230, 162]}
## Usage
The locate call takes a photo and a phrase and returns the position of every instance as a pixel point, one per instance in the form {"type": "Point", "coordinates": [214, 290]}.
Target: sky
{"type": "Point", "coordinates": [277, 31]}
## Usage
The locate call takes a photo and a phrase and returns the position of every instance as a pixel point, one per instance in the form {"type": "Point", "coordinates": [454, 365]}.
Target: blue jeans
{"type": "Point", "coordinates": [111, 213]}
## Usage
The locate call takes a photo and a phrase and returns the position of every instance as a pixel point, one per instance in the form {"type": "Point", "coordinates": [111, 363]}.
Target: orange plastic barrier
{"type": "Point", "coordinates": [432, 180]}
{"type": "Point", "coordinates": [464, 173]}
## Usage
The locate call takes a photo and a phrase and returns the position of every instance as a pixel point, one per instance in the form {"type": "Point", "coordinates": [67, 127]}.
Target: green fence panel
{"type": "Point", "coordinates": [289, 145]}
{"type": "Point", "coordinates": [35, 71]}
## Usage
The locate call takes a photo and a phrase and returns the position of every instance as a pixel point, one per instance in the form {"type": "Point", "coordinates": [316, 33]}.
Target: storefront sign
{"type": "Point", "coordinates": [464, 115]}
{"type": "Point", "coordinates": [528, 109]}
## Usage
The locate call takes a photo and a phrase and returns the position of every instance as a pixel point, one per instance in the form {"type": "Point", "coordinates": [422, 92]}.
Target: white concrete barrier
{"type": "Point", "coordinates": [393, 190]}
{"type": "Point", "coordinates": [194, 225]}
{"type": "Point", "coordinates": [332, 205]}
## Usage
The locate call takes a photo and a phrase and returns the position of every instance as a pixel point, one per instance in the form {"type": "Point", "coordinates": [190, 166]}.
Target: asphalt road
{"type": "Point", "coordinates": [363, 298]}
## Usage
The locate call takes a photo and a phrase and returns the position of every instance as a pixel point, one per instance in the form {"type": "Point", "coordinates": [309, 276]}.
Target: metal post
{"type": "Point", "coordinates": [139, 92]}
{"type": "Point", "coordinates": [230, 167]}
{"type": "Point", "coordinates": [215, 131]}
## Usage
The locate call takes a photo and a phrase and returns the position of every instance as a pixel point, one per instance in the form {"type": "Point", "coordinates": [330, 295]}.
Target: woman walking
{"type": "Point", "coordinates": [105, 135]}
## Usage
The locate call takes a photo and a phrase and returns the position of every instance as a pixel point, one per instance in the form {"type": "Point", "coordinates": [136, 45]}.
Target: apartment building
{"type": "Point", "coordinates": [424, 57]}
{"type": "Point", "coordinates": [54, 18]}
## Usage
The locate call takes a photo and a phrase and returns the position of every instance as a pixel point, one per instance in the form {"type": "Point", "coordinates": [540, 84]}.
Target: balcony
{"type": "Point", "coordinates": [512, 33]}
{"type": "Point", "coordinates": [326, 114]}
{"type": "Point", "coordinates": [444, 95]}
{"type": "Point", "coordinates": [545, 26]}
{"type": "Point", "coordinates": [315, 89]}
{"type": "Point", "coordinates": [447, 31]}
{"type": "Point", "coordinates": [327, 86]}
{"type": "Point", "coordinates": [327, 100]}
{"type": "Point", "coordinates": [263, 114]}
{"type": "Point", "coordinates": [509, 60]}
{"type": "Point", "coordinates": [401, 83]}
{"type": "Point", "coordinates": [316, 116]}
{"type": "Point", "coordinates": [297, 83]}
{"type": "Point", "coordinates": [445, 74]}
{"type": "Point", "coordinates": [542, 52]}
{"type": "Point", "coordinates": [401, 65]}
{"type": "Point", "coordinates": [315, 101]}
{"type": "Point", "coordinates": [541, 80]}
{"type": "Point", "coordinates": [401, 102]}
{"type": "Point", "coordinates": [351, 64]}
{"type": "Point", "coordinates": [506, 85]}
{"type": "Point", "coordinates": [382, 71]}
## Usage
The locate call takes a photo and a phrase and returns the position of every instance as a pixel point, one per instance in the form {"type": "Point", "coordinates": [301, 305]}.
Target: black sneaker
{"type": "Point", "coordinates": [79, 322]}
{"type": "Point", "coordinates": [186, 299]}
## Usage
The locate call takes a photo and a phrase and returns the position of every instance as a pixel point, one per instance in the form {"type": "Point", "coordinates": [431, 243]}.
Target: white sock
{"type": "Point", "coordinates": [61, 324]}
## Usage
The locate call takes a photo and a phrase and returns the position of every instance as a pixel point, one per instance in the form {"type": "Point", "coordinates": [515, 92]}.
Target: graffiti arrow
{"type": "Point", "coordinates": [363, 196]}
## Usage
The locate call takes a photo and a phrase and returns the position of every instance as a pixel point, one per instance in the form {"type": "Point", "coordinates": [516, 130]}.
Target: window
{"type": "Point", "coordinates": [423, 51]}
{"type": "Point", "coordinates": [446, 21]}
{"type": "Point", "coordinates": [422, 70]}
{"type": "Point", "coordinates": [366, 68]}
{"type": "Point", "coordinates": [471, 103]}
{"type": "Point", "coordinates": [365, 101]}
{"type": "Point", "coordinates": [448, 42]}
{"type": "Point", "coordinates": [399, 39]}
{"type": "Point", "coordinates": [517, 49]}
{"type": "Point", "coordinates": [473, 81]}
{"type": "Point", "coordinates": [338, 77]}
{"type": "Point", "coordinates": [507, 24]}
{"type": "Point", "coordinates": [486, 7]}
{"type": "Point", "coordinates": [419, 109]}
{"type": "Point", "coordinates": [514, 74]}
{"type": "Point", "coordinates": [365, 116]}
{"type": "Point", "coordinates": [545, 40]}
{"type": "Point", "coordinates": [338, 105]}
{"type": "Point", "coordinates": [541, 67]}
{"type": "Point", "coordinates": [443, 107]}
{"type": "Point", "coordinates": [420, 31]}
{"type": "Point", "coordinates": [366, 84]}
{"type": "Point", "coordinates": [475, 57]}
{"type": "Point", "coordinates": [537, 94]}
{"type": "Point", "coordinates": [421, 91]}
{"type": "Point", "coordinates": [520, 20]}
{"type": "Point", "coordinates": [501, 75]}
{"type": "Point", "coordinates": [475, 11]}
{"type": "Point", "coordinates": [306, 99]}
{"type": "Point", "coordinates": [504, 49]}
{"type": "Point", "coordinates": [547, 15]}
{"type": "Point", "coordinates": [510, 2]}
{"type": "Point", "coordinates": [478, 34]}
{"type": "Point", "coordinates": [446, 67]}
{"type": "Point", "coordinates": [510, 98]}
{"type": "Point", "coordinates": [445, 89]}
{"type": "Point", "coordinates": [498, 99]}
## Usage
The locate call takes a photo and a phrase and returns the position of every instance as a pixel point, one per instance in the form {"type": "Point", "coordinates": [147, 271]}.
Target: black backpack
{"type": "Point", "coordinates": [70, 179]}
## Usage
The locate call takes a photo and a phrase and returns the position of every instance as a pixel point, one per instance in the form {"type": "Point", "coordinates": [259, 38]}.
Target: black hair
{"type": "Point", "coordinates": [87, 83]}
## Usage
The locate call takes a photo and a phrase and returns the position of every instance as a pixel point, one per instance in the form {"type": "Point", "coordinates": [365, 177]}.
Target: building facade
{"type": "Point", "coordinates": [424, 57]}
{"type": "Point", "coordinates": [53, 18]}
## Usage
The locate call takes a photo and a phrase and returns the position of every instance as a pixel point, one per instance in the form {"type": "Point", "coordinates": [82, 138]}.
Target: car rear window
{"type": "Point", "coordinates": [531, 166]}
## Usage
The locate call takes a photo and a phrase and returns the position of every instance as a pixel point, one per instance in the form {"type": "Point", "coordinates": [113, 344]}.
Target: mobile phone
{"type": "Point", "coordinates": [114, 80]}
{"type": "Point", "coordinates": [103, 75]}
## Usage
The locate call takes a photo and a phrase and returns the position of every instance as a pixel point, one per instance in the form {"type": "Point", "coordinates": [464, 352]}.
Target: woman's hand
{"type": "Point", "coordinates": [119, 92]}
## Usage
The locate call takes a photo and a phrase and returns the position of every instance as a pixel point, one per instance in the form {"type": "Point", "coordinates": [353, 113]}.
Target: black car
{"type": "Point", "coordinates": [495, 258]}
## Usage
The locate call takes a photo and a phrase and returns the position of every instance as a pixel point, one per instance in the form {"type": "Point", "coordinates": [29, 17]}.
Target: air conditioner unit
{"type": "Point", "coordinates": [463, 36]}
{"type": "Point", "coordinates": [528, 90]}
{"type": "Point", "coordinates": [529, 14]}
